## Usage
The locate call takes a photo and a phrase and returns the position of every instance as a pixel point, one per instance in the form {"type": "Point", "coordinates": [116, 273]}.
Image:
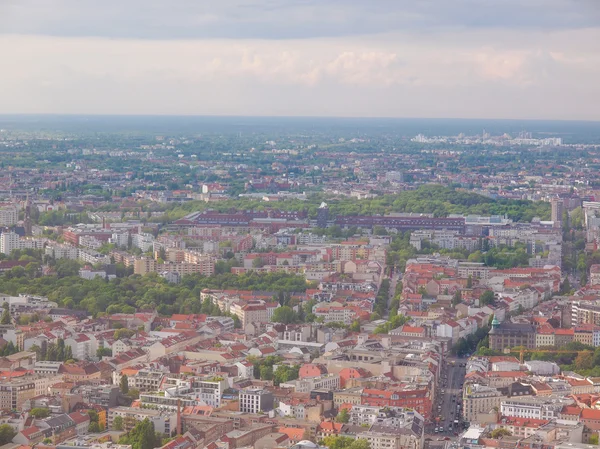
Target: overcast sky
{"type": "Point", "coordinates": [365, 58]}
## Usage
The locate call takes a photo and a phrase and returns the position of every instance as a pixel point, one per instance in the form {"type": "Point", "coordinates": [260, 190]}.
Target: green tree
{"type": "Point", "coordinates": [285, 373]}
{"type": "Point", "coordinates": [118, 423]}
{"type": "Point", "coordinates": [343, 416]}
{"type": "Point", "coordinates": [103, 352]}
{"type": "Point", "coordinates": [7, 433]}
{"type": "Point", "coordinates": [142, 436]}
{"type": "Point", "coordinates": [94, 427]}
{"type": "Point", "coordinates": [39, 412]}
{"type": "Point", "coordinates": [593, 439]}
{"type": "Point", "coordinates": [355, 326]}
{"type": "Point", "coordinates": [93, 414]}
{"type": "Point", "coordinates": [457, 298]}
{"type": "Point", "coordinates": [584, 360]}
{"type": "Point", "coordinates": [133, 394]}
{"type": "Point", "coordinates": [123, 333]}
{"type": "Point", "coordinates": [124, 384]}
{"type": "Point", "coordinates": [337, 442]}
{"type": "Point", "coordinates": [66, 268]}
{"type": "Point", "coordinates": [266, 372]}
{"type": "Point", "coordinates": [284, 314]}
{"type": "Point", "coordinates": [565, 287]}
{"type": "Point", "coordinates": [360, 443]}
{"type": "Point", "coordinates": [340, 442]}
{"type": "Point", "coordinates": [500, 432]}
{"type": "Point", "coordinates": [6, 319]}
{"type": "Point", "coordinates": [487, 297]}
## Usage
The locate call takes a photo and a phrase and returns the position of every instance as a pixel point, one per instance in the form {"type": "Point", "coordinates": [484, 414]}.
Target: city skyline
{"type": "Point", "coordinates": [522, 60]}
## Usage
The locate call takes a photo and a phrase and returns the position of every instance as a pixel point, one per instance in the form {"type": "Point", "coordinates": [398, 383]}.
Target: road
{"type": "Point", "coordinates": [393, 284]}
{"type": "Point", "coordinates": [449, 395]}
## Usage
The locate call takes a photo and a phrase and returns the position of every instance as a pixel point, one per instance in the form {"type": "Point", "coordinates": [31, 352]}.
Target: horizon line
{"type": "Point", "coordinates": [326, 117]}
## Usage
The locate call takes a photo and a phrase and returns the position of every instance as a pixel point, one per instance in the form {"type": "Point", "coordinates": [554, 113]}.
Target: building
{"type": "Point", "coordinates": [251, 312]}
{"type": "Point", "coordinates": [322, 215]}
{"type": "Point", "coordinates": [8, 216]}
{"type": "Point", "coordinates": [558, 208]}
{"type": "Point", "coordinates": [164, 421]}
{"type": "Point", "coordinates": [105, 395]}
{"type": "Point", "coordinates": [595, 275]}
{"type": "Point", "coordinates": [255, 400]}
{"type": "Point", "coordinates": [14, 392]}
{"type": "Point", "coordinates": [532, 407]}
{"type": "Point", "coordinates": [9, 241]}
{"type": "Point", "coordinates": [144, 265]}
{"type": "Point", "coordinates": [585, 312]}
{"type": "Point", "coordinates": [508, 335]}
{"type": "Point", "coordinates": [402, 222]}
{"type": "Point", "coordinates": [479, 399]}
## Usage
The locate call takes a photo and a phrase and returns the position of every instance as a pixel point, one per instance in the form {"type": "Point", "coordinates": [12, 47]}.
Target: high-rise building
{"type": "Point", "coordinates": [9, 241]}
{"type": "Point", "coordinates": [8, 216]}
{"type": "Point", "coordinates": [322, 215]}
{"type": "Point", "coordinates": [558, 207]}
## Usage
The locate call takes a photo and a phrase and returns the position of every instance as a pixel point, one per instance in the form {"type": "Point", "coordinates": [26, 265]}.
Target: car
{"type": "Point", "coordinates": [446, 438]}
{"type": "Point", "coordinates": [436, 430]}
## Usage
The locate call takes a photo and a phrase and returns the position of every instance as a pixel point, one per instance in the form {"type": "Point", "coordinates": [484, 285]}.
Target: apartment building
{"type": "Point", "coordinates": [533, 407]}
{"type": "Point", "coordinates": [14, 392]}
{"type": "Point", "coordinates": [479, 399]}
{"type": "Point", "coordinates": [587, 312]}
{"type": "Point", "coordinates": [255, 400]}
{"type": "Point", "coordinates": [9, 241]}
{"type": "Point", "coordinates": [146, 380]}
{"type": "Point", "coordinates": [347, 396]}
{"type": "Point", "coordinates": [164, 421]}
{"type": "Point", "coordinates": [8, 216]}
{"type": "Point", "coordinates": [250, 312]}
{"type": "Point", "coordinates": [327, 382]}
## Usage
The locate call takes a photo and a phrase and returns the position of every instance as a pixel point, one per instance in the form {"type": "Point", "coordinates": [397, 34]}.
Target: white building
{"type": "Point", "coordinates": [8, 216]}
{"type": "Point", "coordinates": [83, 346]}
{"type": "Point", "coordinates": [92, 257]}
{"type": "Point", "coordinates": [121, 239]}
{"type": "Point", "coordinates": [92, 274]}
{"type": "Point", "coordinates": [255, 400]}
{"type": "Point", "coordinates": [9, 241]}
{"type": "Point", "coordinates": [533, 407]}
{"type": "Point", "coordinates": [59, 251]}
{"type": "Point", "coordinates": [143, 241]}
{"type": "Point", "coordinates": [542, 368]}
{"type": "Point", "coordinates": [46, 367]}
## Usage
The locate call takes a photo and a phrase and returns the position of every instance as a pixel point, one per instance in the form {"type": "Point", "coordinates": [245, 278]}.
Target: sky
{"type": "Point", "coordinates": [523, 59]}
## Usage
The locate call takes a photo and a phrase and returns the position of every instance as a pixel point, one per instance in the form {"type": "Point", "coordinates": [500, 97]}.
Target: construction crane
{"type": "Point", "coordinates": [522, 351]}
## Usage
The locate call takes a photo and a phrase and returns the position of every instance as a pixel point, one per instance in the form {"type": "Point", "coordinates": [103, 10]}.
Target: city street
{"type": "Point", "coordinates": [396, 277]}
{"type": "Point", "coordinates": [448, 402]}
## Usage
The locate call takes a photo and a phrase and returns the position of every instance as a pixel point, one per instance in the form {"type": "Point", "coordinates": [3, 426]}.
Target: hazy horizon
{"type": "Point", "coordinates": [500, 59]}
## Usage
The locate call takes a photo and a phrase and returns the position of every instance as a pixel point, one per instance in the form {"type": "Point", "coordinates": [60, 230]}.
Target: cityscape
{"type": "Point", "coordinates": [299, 225]}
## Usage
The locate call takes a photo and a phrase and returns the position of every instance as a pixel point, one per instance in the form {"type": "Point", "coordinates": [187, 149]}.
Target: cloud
{"type": "Point", "coordinates": [446, 61]}
{"type": "Point", "coordinates": [284, 19]}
